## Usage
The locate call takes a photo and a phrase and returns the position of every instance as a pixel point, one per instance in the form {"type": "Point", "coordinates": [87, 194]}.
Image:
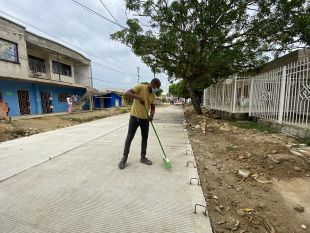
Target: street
{"type": "Point", "coordinates": [67, 180]}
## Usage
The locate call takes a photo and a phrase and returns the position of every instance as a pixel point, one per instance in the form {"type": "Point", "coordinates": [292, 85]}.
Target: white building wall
{"type": "Point", "coordinates": [83, 75]}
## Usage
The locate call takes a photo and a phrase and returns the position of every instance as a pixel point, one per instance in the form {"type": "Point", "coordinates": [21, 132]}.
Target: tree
{"type": "Point", "coordinates": [178, 90]}
{"type": "Point", "coordinates": [200, 41]}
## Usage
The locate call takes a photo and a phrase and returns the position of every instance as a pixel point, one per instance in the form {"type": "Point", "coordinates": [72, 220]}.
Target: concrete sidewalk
{"type": "Point", "coordinates": [68, 181]}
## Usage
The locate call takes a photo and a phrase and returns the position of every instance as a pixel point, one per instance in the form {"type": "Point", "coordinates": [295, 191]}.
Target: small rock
{"type": "Point", "coordinates": [299, 208]}
{"type": "Point", "coordinates": [274, 151]}
{"type": "Point", "coordinates": [244, 173]}
{"type": "Point", "coordinates": [215, 197]}
{"type": "Point", "coordinates": [233, 224]}
{"type": "Point", "coordinates": [197, 126]}
{"type": "Point", "coordinates": [221, 222]}
{"type": "Point", "coordinates": [303, 226]}
{"type": "Point", "coordinates": [206, 167]}
{"type": "Point", "coordinates": [271, 167]}
{"type": "Point", "coordinates": [220, 230]}
{"type": "Point", "coordinates": [297, 169]}
{"type": "Point", "coordinates": [241, 157]}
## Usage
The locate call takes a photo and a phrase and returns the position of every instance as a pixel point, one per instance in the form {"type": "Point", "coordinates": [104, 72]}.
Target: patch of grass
{"type": "Point", "coordinates": [255, 126]}
{"type": "Point", "coordinates": [230, 147]}
{"type": "Point", "coordinates": [87, 119]}
{"type": "Point", "coordinates": [305, 141]}
{"type": "Point", "coordinates": [124, 110]}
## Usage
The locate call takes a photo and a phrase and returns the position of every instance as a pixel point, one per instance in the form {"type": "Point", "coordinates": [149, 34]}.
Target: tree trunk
{"type": "Point", "coordinates": [194, 98]}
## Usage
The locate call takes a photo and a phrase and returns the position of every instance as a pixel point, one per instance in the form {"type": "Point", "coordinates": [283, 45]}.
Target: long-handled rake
{"type": "Point", "coordinates": [167, 162]}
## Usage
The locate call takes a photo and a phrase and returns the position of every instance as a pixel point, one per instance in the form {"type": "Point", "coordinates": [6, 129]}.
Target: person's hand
{"type": "Point", "coordinates": [150, 118]}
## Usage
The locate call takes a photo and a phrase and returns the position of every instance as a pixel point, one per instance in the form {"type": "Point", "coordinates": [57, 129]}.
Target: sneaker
{"type": "Point", "coordinates": [146, 161]}
{"type": "Point", "coordinates": [122, 163]}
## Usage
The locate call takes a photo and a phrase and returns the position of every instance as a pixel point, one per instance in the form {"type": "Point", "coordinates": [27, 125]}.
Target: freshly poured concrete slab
{"type": "Point", "coordinates": [23, 153]}
{"type": "Point", "coordinates": [82, 189]}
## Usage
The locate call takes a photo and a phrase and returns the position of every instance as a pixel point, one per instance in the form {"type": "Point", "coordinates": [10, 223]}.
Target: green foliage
{"type": "Point", "coordinates": [256, 126]}
{"type": "Point", "coordinates": [178, 90]}
{"type": "Point", "coordinates": [230, 147]}
{"type": "Point", "coordinates": [200, 41]}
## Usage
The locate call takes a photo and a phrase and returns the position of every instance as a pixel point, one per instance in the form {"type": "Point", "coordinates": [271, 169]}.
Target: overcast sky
{"type": "Point", "coordinates": [65, 22]}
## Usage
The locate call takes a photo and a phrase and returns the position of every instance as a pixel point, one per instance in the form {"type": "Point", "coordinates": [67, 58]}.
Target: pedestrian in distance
{"type": "Point", "coordinates": [69, 102]}
{"type": "Point", "coordinates": [144, 98]}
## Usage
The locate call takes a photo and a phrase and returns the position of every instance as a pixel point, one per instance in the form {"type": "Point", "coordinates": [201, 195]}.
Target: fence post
{"type": "Point", "coordinates": [251, 96]}
{"type": "Point", "coordinates": [282, 94]}
{"type": "Point", "coordinates": [210, 102]}
{"type": "Point", "coordinates": [204, 98]}
{"type": "Point", "coordinates": [223, 95]}
{"type": "Point", "coordinates": [235, 94]}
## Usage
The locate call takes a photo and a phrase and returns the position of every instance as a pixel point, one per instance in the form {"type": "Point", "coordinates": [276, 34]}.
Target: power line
{"type": "Point", "coordinates": [100, 64]}
{"type": "Point", "coordinates": [11, 55]}
{"type": "Point", "coordinates": [69, 45]}
{"type": "Point", "coordinates": [94, 12]}
{"type": "Point", "coordinates": [110, 13]}
{"type": "Point", "coordinates": [121, 72]}
{"type": "Point", "coordinates": [82, 75]}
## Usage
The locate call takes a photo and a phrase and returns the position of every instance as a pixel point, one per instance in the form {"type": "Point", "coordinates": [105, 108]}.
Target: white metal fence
{"type": "Point", "coordinates": [282, 94]}
{"type": "Point", "coordinates": [230, 95]}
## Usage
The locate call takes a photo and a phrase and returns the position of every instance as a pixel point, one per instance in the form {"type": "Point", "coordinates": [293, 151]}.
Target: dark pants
{"type": "Point", "coordinates": [134, 123]}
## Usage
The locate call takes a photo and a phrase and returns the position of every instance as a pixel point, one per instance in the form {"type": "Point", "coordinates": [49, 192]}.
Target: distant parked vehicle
{"type": "Point", "coordinates": [178, 103]}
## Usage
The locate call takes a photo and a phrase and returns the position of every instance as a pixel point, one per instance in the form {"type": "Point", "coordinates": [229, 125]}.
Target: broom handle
{"type": "Point", "coordinates": [155, 133]}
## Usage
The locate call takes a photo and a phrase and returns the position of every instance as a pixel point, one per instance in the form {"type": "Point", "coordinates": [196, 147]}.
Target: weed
{"type": "Point", "coordinates": [305, 141]}
{"type": "Point", "coordinates": [230, 147]}
{"type": "Point", "coordinates": [256, 126]}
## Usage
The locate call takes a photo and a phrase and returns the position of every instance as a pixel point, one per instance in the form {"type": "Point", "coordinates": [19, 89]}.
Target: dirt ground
{"type": "Point", "coordinates": [24, 127]}
{"type": "Point", "coordinates": [251, 180]}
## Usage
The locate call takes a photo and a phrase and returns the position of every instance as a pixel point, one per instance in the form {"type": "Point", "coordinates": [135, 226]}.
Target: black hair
{"type": "Point", "coordinates": [155, 80]}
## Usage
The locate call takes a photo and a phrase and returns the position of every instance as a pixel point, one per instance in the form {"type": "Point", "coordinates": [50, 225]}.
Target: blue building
{"type": "Point", "coordinates": [107, 100]}
{"type": "Point", "coordinates": [37, 74]}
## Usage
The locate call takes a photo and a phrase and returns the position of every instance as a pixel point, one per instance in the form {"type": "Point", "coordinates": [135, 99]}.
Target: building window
{"type": "Point", "coordinates": [62, 97]}
{"type": "Point", "coordinates": [8, 51]}
{"type": "Point", "coordinates": [62, 69]}
{"type": "Point", "coordinates": [36, 65]}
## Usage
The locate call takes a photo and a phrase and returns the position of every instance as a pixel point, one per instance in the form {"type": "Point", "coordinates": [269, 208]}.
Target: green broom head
{"type": "Point", "coordinates": [167, 162]}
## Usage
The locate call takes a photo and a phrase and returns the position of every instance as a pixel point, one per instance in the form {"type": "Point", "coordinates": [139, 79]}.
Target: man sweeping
{"type": "Point", "coordinates": [144, 97]}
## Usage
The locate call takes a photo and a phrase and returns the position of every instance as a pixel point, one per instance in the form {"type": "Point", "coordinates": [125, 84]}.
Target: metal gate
{"type": "Point", "coordinates": [46, 102]}
{"type": "Point", "coordinates": [23, 101]}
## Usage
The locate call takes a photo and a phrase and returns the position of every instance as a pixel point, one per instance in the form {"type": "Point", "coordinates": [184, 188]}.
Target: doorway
{"type": "Point", "coordinates": [23, 102]}
{"type": "Point", "coordinates": [46, 102]}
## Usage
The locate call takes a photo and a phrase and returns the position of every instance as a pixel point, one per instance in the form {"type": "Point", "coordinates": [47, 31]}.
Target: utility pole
{"type": "Point", "coordinates": [138, 74]}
